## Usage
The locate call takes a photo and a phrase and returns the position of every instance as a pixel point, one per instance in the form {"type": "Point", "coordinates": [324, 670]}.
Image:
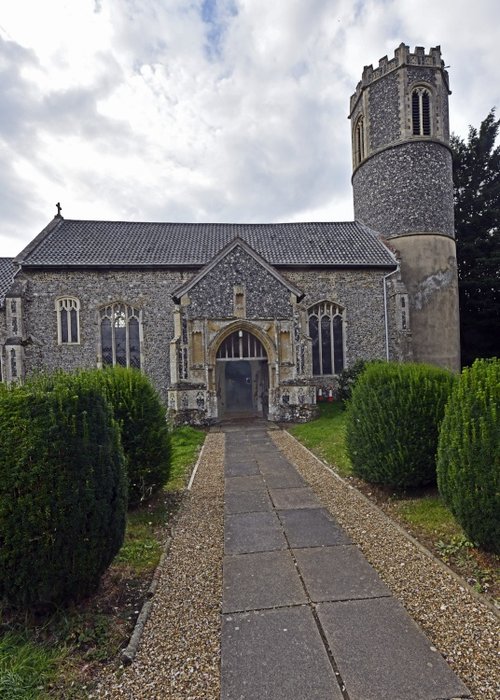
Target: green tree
{"type": "Point", "coordinates": [476, 180]}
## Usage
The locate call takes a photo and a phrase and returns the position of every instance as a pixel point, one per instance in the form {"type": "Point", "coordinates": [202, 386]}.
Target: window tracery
{"type": "Point", "coordinates": [68, 321]}
{"type": "Point", "coordinates": [326, 329]}
{"type": "Point", "coordinates": [121, 335]}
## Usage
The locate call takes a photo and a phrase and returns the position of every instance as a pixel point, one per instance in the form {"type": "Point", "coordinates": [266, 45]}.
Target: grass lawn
{"type": "Point", "coordinates": [55, 656]}
{"type": "Point", "coordinates": [325, 436]}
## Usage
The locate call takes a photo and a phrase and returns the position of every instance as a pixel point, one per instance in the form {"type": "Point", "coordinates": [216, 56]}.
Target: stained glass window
{"type": "Point", "coordinates": [327, 336]}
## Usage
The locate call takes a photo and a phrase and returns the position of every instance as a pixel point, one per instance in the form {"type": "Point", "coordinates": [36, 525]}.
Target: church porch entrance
{"type": "Point", "coordinates": [242, 376]}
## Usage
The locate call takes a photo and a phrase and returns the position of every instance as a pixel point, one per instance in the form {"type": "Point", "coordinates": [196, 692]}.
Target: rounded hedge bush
{"type": "Point", "coordinates": [468, 463]}
{"type": "Point", "coordinates": [393, 420]}
{"type": "Point", "coordinates": [63, 492]}
{"type": "Point", "coordinates": [349, 376]}
{"type": "Point", "coordinates": [144, 431]}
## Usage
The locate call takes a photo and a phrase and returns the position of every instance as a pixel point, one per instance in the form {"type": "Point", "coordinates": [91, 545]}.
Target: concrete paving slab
{"type": "Point", "coordinates": [263, 450]}
{"type": "Point", "coordinates": [237, 456]}
{"type": "Point", "coordinates": [312, 527]}
{"type": "Point", "coordinates": [287, 498]}
{"type": "Point", "coordinates": [247, 502]}
{"type": "Point", "coordinates": [235, 484]}
{"type": "Point", "coordinates": [338, 573]}
{"type": "Point", "coordinates": [275, 655]}
{"type": "Point", "coordinates": [260, 580]}
{"type": "Point", "coordinates": [269, 465]}
{"type": "Point", "coordinates": [382, 654]}
{"type": "Point", "coordinates": [243, 468]}
{"type": "Point", "coordinates": [284, 480]}
{"type": "Point", "coordinates": [252, 532]}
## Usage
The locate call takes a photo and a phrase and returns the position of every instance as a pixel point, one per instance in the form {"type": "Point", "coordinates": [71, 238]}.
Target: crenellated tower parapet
{"type": "Point", "coordinates": [402, 56]}
{"type": "Point", "coordinates": [404, 98]}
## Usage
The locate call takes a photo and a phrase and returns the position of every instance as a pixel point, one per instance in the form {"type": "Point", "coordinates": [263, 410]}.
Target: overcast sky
{"type": "Point", "coordinates": [207, 110]}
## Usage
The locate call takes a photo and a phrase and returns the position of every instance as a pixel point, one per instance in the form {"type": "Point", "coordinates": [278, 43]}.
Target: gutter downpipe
{"type": "Point", "coordinates": [386, 315]}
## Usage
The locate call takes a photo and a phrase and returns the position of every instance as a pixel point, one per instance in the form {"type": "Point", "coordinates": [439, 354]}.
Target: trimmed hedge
{"type": "Point", "coordinates": [63, 491]}
{"type": "Point", "coordinates": [144, 431]}
{"type": "Point", "coordinates": [393, 420]}
{"type": "Point", "coordinates": [349, 376]}
{"type": "Point", "coordinates": [468, 462]}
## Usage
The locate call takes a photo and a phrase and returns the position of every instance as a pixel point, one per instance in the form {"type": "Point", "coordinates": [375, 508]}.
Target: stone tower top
{"type": "Point", "coordinates": [402, 56]}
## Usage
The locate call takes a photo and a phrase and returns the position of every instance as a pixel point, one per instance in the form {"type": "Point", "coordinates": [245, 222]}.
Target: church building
{"type": "Point", "coordinates": [260, 319]}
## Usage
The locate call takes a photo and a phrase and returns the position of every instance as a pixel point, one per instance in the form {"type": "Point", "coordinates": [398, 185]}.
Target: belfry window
{"type": "Point", "coordinates": [120, 335]}
{"type": "Point", "coordinates": [68, 321]}
{"type": "Point", "coordinates": [359, 141]}
{"type": "Point", "coordinates": [421, 111]}
{"type": "Point", "coordinates": [326, 329]}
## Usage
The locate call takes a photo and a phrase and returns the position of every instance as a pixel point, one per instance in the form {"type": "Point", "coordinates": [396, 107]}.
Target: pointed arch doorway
{"type": "Point", "coordinates": [242, 376]}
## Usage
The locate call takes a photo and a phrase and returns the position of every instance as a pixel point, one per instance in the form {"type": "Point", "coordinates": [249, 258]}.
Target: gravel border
{"type": "Point", "coordinates": [178, 657]}
{"type": "Point", "coordinates": [464, 629]}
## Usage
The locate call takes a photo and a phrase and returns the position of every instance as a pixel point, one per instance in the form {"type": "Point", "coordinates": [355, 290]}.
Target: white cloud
{"type": "Point", "coordinates": [206, 109]}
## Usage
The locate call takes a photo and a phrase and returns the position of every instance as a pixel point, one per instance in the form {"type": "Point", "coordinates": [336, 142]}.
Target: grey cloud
{"type": "Point", "coordinates": [17, 93]}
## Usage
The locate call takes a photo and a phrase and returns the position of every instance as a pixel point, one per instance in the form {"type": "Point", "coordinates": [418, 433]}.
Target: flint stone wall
{"type": "Point", "coordinates": [150, 291]}
{"type": "Point", "coordinates": [361, 294]}
{"type": "Point", "coordinates": [213, 295]}
{"type": "Point", "coordinates": [406, 189]}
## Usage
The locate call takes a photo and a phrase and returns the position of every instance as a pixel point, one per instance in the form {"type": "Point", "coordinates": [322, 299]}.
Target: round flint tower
{"type": "Point", "coordinates": [403, 188]}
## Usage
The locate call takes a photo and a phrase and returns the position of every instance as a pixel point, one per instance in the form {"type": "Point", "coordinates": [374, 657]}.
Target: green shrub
{"type": "Point", "coordinates": [144, 431]}
{"type": "Point", "coordinates": [62, 491]}
{"type": "Point", "coordinates": [348, 378]}
{"type": "Point", "coordinates": [468, 463]}
{"type": "Point", "coordinates": [393, 421]}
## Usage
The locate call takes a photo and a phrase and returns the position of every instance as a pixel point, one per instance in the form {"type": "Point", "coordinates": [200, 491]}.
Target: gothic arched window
{"type": "Point", "coordinates": [359, 141]}
{"type": "Point", "coordinates": [68, 321]}
{"type": "Point", "coordinates": [326, 329]}
{"type": "Point", "coordinates": [121, 335]}
{"type": "Point", "coordinates": [421, 111]}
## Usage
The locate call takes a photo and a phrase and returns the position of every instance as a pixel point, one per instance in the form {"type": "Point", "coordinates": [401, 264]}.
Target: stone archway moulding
{"type": "Point", "coordinates": [264, 338]}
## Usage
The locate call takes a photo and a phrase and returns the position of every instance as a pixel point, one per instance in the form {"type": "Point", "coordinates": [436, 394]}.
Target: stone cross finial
{"type": "Point", "coordinates": [58, 205]}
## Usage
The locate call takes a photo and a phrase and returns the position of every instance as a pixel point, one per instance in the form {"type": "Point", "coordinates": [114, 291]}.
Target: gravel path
{"type": "Point", "coordinates": [179, 654]}
{"type": "Point", "coordinates": [463, 629]}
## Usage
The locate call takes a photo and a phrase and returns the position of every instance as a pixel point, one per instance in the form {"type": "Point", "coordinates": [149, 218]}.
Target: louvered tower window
{"type": "Point", "coordinates": [421, 112]}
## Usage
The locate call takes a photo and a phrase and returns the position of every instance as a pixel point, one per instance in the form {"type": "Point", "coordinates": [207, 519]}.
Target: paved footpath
{"type": "Point", "coordinates": [305, 617]}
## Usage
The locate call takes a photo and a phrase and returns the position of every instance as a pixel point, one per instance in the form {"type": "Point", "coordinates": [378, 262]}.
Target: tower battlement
{"type": "Point", "coordinates": [402, 56]}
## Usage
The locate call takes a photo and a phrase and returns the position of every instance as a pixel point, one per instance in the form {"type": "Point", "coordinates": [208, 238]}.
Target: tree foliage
{"type": "Point", "coordinates": [476, 180]}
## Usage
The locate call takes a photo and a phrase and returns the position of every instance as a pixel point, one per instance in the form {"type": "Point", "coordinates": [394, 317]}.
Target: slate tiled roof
{"type": "Point", "coordinates": [7, 271]}
{"type": "Point", "coordinates": [74, 243]}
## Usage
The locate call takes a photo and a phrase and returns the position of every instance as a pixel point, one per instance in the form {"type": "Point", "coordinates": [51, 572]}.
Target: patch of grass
{"type": "Point", "coordinates": [141, 549]}
{"type": "Point", "coordinates": [325, 436]}
{"type": "Point", "coordinates": [25, 668]}
{"type": "Point", "coordinates": [429, 515]}
{"type": "Point", "coordinates": [186, 443]}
